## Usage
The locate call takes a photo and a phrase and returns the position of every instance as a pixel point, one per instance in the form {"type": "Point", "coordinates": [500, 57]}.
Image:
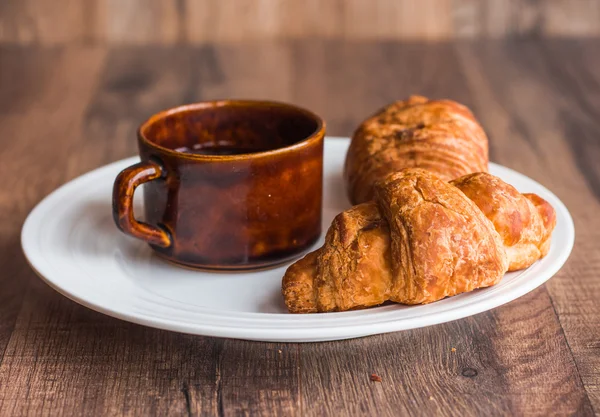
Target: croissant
{"type": "Point", "coordinates": [422, 239]}
{"type": "Point", "coordinates": [441, 136]}
{"type": "Point", "coordinates": [524, 221]}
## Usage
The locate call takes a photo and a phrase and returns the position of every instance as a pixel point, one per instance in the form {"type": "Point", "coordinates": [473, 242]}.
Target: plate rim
{"type": "Point", "coordinates": [306, 334]}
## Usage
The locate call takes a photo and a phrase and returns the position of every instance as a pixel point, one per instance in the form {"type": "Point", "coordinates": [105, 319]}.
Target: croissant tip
{"type": "Point", "coordinates": [544, 208]}
{"type": "Point", "coordinates": [298, 286]}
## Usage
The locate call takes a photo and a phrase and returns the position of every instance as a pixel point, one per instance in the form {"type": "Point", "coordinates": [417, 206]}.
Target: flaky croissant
{"type": "Point", "coordinates": [524, 221]}
{"type": "Point", "coordinates": [441, 136]}
{"type": "Point", "coordinates": [421, 240]}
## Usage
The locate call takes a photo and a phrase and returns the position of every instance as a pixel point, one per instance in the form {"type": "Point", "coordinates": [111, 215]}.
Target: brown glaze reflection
{"type": "Point", "coordinates": [231, 184]}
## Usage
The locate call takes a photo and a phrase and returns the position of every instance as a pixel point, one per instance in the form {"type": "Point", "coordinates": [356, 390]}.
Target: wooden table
{"type": "Point", "coordinates": [66, 110]}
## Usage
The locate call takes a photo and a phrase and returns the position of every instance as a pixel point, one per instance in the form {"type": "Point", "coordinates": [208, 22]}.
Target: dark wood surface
{"type": "Point", "coordinates": [66, 110]}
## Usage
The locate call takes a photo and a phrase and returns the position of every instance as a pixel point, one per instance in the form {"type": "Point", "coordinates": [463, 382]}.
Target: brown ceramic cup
{"type": "Point", "coordinates": [228, 184]}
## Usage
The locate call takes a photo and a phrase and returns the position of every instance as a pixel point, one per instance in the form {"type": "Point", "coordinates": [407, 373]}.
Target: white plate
{"type": "Point", "coordinates": [72, 243]}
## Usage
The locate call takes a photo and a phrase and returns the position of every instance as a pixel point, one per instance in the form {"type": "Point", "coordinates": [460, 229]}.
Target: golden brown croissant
{"type": "Point", "coordinates": [524, 221]}
{"type": "Point", "coordinates": [441, 136]}
{"type": "Point", "coordinates": [420, 241]}
{"type": "Point", "coordinates": [352, 270]}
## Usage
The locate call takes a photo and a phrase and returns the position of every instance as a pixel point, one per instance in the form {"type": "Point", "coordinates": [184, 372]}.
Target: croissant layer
{"type": "Point", "coordinates": [441, 243]}
{"type": "Point", "coordinates": [524, 221]}
{"type": "Point", "coordinates": [422, 239]}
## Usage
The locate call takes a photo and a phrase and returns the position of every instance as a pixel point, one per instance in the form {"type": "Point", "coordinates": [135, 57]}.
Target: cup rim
{"type": "Point", "coordinates": [314, 137]}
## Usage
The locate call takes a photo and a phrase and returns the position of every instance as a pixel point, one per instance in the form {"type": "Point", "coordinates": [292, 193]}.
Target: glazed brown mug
{"type": "Point", "coordinates": [229, 184]}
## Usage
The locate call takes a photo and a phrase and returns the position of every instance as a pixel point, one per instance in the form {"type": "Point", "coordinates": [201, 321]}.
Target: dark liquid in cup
{"type": "Point", "coordinates": [210, 149]}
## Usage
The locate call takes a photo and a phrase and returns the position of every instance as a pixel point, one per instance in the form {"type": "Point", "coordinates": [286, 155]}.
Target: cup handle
{"type": "Point", "coordinates": [122, 207]}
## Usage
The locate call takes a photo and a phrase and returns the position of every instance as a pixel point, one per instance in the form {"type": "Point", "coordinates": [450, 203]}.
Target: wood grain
{"type": "Point", "coordinates": [40, 22]}
{"type": "Point", "coordinates": [30, 89]}
{"type": "Point", "coordinates": [496, 368]}
{"type": "Point", "coordinates": [66, 110]}
{"type": "Point", "coordinates": [558, 113]}
{"type": "Point", "coordinates": [160, 22]}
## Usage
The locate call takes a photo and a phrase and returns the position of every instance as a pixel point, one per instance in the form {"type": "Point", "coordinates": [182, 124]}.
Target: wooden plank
{"type": "Point", "coordinates": [30, 88]}
{"type": "Point", "coordinates": [41, 22]}
{"type": "Point", "coordinates": [499, 19]}
{"type": "Point", "coordinates": [228, 73]}
{"type": "Point", "coordinates": [541, 376]}
{"type": "Point", "coordinates": [570, 71]}
{"type": "Point", "coordinates": [259, 379]}
{"type": "Point", "coordinates": [545, 112]}
{"type": "Point", "coordinates": [142, 21]}
{"type": "Point", "coordinates": [136, 83]}
{"type": "Point", "coordinates": [65, 359]}
{"type": "Point", "coordinates": [38, 101]}
{"type": "Point", "coordinates": [500, 366]}
{"type": "Point", "coordinates": [354, 19]}
{"type": "Point", "coordinates": [420, 372]}
{"type": "Point", "coordinates": [583, 17]}
{"type": "Point", "coordinates": [161, 22]}
{"type": "Point", "coordinates": [347, 81]}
